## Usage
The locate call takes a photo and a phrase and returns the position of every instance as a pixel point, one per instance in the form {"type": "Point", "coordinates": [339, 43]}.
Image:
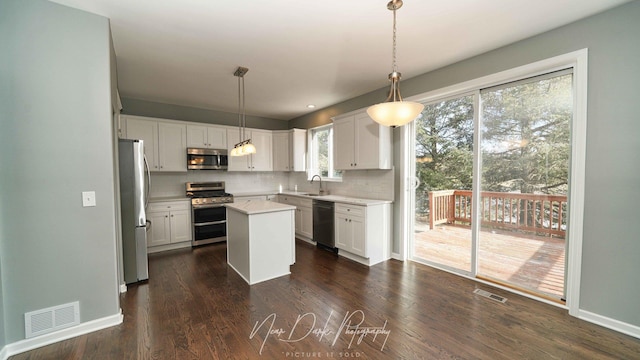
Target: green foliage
{"type": "Point", "coordinates": [444, 145]}
{"type": "Point", "coordinates": [525, 140]}
{"type": "Point", "coordinates": [526, 137]}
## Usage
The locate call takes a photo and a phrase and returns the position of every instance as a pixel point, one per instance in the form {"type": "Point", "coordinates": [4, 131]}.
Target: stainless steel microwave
{"type": "Point", "coordinates": [207, 159]}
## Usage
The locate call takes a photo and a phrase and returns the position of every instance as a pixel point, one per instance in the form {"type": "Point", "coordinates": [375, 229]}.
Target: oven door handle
{"type": "Point", "coordinates": [207, 206]}
{"type": "Point", "coordinates": [210, 223]}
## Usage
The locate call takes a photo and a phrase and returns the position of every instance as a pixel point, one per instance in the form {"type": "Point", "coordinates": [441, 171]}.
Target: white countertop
{"type": "Point", "coordinates": [304, 195]}
{"type": "Point", "coordinates": [258, 207]}
{"type": "Point", "coordinates": [338, 199]}
{"type": "Point", "coordinates": [169, 198]}
{"type": "Point", "coordinates": [255, 193]}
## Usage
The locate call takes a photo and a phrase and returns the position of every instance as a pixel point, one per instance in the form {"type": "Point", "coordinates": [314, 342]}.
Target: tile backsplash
{"type": "Point", "coordinates": [173, 184]}
{"type": "Point", "coordinates": [368, 184]}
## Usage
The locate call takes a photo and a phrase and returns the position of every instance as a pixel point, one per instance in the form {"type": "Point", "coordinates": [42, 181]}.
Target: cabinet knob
{"type": "Point", "coordinates": [172, 215]}
{"type": "Point", "coordinates": [166, 216]}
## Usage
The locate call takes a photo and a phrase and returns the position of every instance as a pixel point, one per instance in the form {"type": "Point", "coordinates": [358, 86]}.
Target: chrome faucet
{"type": "Point", "coordinates": [321, 190]}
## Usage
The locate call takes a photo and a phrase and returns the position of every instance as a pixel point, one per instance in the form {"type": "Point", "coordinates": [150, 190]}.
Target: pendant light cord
{"type": "Point", "coordinates": [394, 64]}
{"type": "Point", "coordinates": [240, 131]}
{"type": "Point", "coordinates": [242, 119]}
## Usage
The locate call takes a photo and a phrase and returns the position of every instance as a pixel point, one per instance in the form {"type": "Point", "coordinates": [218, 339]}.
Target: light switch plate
{"type": "Point", "coordinates": [88, 198]}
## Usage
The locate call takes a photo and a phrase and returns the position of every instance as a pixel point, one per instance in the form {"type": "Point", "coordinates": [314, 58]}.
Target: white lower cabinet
{"type": "Point", "coordinates": [305, 225]}
{"type": "Point", "coordinates": [350, 234]}
{"type": "Point", "coordinates": [169, 225]}
{"type": "Point", "coordinates": [363, 233]}
{"type": "Point", "coordinates": [304, 215]}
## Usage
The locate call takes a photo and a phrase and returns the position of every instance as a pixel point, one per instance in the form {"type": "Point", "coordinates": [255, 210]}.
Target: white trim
{"type": "Point", "coordinates": [577, 182]}
{"type": "Point", "coordinates": [610, 323]}
{"type": "Point", "coordinates": [123, 288]}
{"type": "Point", "coordinates": [578, 61]}
{"type": "Point", "coordinates": [68, 333]}
{"type": "Point", "coordinates": [559, 62]}
{"type": "Point", "coordinates": [476, 181]}
{"type": "Point", "coordinates": [405, 201]}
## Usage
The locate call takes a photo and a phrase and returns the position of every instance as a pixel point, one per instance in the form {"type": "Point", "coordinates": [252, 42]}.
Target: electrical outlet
{"type": "Point", "coordinates": [88, 198]}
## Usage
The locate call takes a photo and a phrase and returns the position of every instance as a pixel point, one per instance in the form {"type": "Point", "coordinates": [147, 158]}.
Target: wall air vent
{"type": "Point", "coordinates": [490, 295]}
{"type": "Point", "coordinates": [51, 319]}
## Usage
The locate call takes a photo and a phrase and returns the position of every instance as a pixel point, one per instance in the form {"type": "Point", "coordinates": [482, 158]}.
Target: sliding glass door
{"type": "Point", "coordinates": [525, 175]}
{"type": "Point", "coordinates": [506, 221]}
{"type": "Point", "coordinates": [444, 164]}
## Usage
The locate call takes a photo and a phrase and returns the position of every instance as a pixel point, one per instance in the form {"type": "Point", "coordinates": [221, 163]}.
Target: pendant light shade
{"type": "Point", "coordinates": [395, 112]}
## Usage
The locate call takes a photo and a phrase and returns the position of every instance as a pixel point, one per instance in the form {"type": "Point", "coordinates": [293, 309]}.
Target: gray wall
{"type": "Point", "coordinates": [55, 142]}
{"type": "Point", "coordinates": [176, 112]}
{"type": "Point", "coordinates": [3, 342]}
{"type": "Point", "coordinates": [610, 245]}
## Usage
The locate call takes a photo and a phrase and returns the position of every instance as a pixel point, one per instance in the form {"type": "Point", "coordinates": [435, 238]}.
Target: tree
{"type": "Point", "coordinates": [444, 148]}
{"type": "Point", "coordinates": [525, 136]}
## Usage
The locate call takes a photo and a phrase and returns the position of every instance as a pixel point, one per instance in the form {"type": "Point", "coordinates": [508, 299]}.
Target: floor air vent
{"type": "Point", "coordinates": [48, 320]}
{"type": "Point", "coordinates": [490, 295]}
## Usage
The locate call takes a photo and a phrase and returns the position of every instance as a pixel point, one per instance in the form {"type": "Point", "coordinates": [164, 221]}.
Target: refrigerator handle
{"type": "Point", "coordinates": [146, 165]}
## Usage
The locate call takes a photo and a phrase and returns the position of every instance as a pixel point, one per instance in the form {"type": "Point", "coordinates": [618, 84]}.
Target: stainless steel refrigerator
{"type": "Point", "coordinates": [134, 192]}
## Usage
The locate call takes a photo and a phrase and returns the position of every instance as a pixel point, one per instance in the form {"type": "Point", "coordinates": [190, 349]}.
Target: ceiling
{"type": "Point", "coordinates": [298, 52]}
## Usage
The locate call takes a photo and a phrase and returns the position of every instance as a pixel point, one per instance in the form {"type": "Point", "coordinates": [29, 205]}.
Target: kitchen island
{"type": "Point", "coordinates": [260, 239]}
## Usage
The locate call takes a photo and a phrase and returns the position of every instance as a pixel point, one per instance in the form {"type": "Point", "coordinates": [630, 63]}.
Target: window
{"type": "Point", "coordinates": [321, 153]}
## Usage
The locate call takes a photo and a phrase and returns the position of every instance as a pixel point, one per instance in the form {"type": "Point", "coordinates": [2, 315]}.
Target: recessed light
{"type": "Point", "coordinates": [311, 106]}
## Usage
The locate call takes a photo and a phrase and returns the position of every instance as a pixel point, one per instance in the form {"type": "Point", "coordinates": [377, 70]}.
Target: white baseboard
{"type": "Point", "coordinates": [68, 333]}
{"type": "Point", "coordinates": [610, 323]}
{"type": "Point", "coordinates": [123, 288]}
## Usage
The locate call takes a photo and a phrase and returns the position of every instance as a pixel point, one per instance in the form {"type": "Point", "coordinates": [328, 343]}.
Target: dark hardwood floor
{"type": "Point", "coordinates": [196, 307]}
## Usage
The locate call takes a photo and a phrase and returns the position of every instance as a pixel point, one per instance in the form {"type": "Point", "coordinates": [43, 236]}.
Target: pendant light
{"type": "Point", "coordinates": [244, 147]}
{"type": "Point", "coordinates": [395, 112]}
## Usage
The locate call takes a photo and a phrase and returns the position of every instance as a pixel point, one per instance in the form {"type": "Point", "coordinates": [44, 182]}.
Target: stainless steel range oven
{"type": "Point", "coordinates": [209, 215]}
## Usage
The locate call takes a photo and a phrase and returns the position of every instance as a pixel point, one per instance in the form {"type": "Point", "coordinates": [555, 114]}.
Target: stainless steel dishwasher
{"type": "Point", "coordinates": [323, 230]}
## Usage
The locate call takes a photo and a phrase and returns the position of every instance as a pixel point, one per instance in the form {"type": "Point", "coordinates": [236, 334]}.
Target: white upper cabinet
{"type": "Point", "coordinates": [202, 136]}
{"type": "Point", "coordinates": [360, 143]}
{"type": "Point", "coordinates": [165, 143]}
{"type": "Point", "coordinates": [298, 146]}
{"type": "Point", "coordinates": [281, 151]}
{"type": "Point", "coordinates": [290, 150]}
{"type": "Point", "coordinates": [172, 147]}
{"type": "Point", "coordinates": [147, 131]}
{"type": "Point", "coordinates": [262, 160]}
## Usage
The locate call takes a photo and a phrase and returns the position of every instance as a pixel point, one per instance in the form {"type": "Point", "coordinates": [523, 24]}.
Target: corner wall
{"type": "Point", "coordinates": [609, 289]}
{"type": "Point", "coordinates": [55, 142]}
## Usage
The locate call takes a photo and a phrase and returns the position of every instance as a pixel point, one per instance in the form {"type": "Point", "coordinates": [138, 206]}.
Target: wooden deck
{"type": "Point", "coordinates": [531, 262]}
